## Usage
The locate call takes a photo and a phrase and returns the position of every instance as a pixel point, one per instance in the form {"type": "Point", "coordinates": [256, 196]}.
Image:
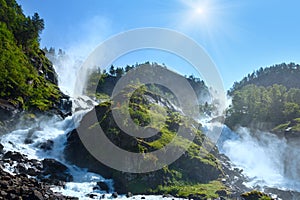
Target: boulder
{"type": "Point", "coordinates": [1, 148]}
{"type": "Point", "coordinates": [114, 195]}
{"type": "Point", "coordinates": [55, 172]}
{"type": "Point", "coordinates": [15, 156]}
{"type": "Point", "coordinates": [46, 146]}
{"type": "Point", "coordinates": [103, 186]}
{"type": "Point", "coordinates": [129, 194]}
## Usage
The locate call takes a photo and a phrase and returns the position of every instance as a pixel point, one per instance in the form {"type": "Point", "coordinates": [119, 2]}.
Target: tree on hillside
{"type": "Point", "coordinates": [112, 70]}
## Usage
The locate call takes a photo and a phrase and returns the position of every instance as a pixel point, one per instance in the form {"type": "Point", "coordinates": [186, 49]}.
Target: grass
{"type": "Point", "coordinates": [184, 190]}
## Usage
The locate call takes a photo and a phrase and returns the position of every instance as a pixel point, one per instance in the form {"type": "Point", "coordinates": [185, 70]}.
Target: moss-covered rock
{"type": "Point", "coordinates": [255, 195]}
{"type": "Point", "coordinates": [196, 168]}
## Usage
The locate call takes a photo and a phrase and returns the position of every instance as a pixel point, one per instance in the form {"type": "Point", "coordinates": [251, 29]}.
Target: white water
{"type": "Point", "coordinates": [56, 129]}
{"type": "Point", "coordinates": [266, 159]}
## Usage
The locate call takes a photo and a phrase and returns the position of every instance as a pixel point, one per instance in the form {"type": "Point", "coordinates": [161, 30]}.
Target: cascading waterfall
{"type": "Point", "coordinates": [265, 159]}
{"type": "Point", "coordinates": [55, 129]}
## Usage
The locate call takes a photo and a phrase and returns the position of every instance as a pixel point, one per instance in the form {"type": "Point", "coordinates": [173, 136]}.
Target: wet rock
{"type": "Point", "coordinates": [103, 186]}
{"type": "Point", "coordinates": [197, 196]}
{"type": "Point", "coordinates": [92, 196]}
{"type": "Point", "coordinates": [46, 146]}
{"type": "Point", "coordinates": [167, 196]}
{"type": "Point", "coordinates": [37, 195]}
{"type": "Point", "coordinates": [283, 194]}
{"type": "Point", "coordinates": [222, 193]}
{"type": "Point", "coordinates": [28, 141]}
{"type": "Point", "coordinates": [129, 194]}
{"type": "Point", "coordinates": [114, 195]}
{"type": "Point", "coordinates": [15, 156]}
{"type": "Point", "coordinates": [22, 187]}
{"type": "Point", "coordinates": [1, 148]}
{"type": "Point", "coordinates": [21, 168]}
{"type": "Point", "coordinates": [55, 172]}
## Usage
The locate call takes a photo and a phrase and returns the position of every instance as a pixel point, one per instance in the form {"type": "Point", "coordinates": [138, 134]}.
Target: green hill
{"type": "Point", "coordinates": [27, 78]}
{"type": "Point", "coordinates": [266, 98]}
{"type": "Point", "coordinates": [197, 173]}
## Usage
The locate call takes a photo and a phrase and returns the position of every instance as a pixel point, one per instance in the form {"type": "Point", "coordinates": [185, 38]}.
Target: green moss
{"type": "Point", "coordinates": [185, 190]}
{"type": "Point", "coordinates": [193, 173]}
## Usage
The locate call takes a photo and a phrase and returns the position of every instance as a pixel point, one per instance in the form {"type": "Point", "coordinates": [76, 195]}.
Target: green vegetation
{"type": "Point", "coordinates": [255, 195]}
{"type": "Point", "coordinates": [195, 170]}
{"type": "Point", "coordinates": [282, 74]}
{"type": "Point", "coordinates": [265, 107]}
{"type": "Point", "coordinates": [27, 78]}
{"type": "Point", "coordinates": [195, 173]}
{"type": "Point", "coordinates": [205, 191]}
{"type": "Point", "coordinates": [291, 126]}
{"type": "Point", "coordinates": [101, 84]}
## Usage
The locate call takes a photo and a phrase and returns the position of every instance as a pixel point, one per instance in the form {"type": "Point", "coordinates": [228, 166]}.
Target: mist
{"type": "Point", "coordinates": [266, 159]}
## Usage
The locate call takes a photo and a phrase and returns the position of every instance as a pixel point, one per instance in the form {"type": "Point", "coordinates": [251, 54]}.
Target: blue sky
{"type": "Point", "coordinates": [239, 36]}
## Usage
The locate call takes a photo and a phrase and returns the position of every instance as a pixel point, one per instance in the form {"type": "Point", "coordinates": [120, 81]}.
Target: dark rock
{"type": "Point", "coordinates": [1, 147]}
{"type": "Point", "coordinates": [283, 194]}
{"type": "Point", "coordinates": [32, 172]}
{"type": "Point", "coordinates": [15, 156]}
{"type": "Point", "coordinates": [21, 168]}
{"type": "Point", "coordinates": [92, 196]}
{"type": "Point", "coordinates": [7, 110]}
{"type": "Point", "coordinates": [55, 172]}
{"type": "Point", "coordinates": [129, 194]}
{"type": "Point", "coordinates": [21, 187]}
{"type": "Point", "coordinates": [222, 193]}
{"type": "Point", "coordinates": [143, 197]}
{"type": "Point", "coordinates": [167, 196]}
{"type": "Point", "coordinates": [197, 196]}
{"type": "Point", "coordinates": [46, 146]}
{"type": "Point", "coordinates": [103, 186]}
{"type": "Point", "coordinates": [37, 195]}
{"type": "Point", "coordinates": [114, 195]}
{"type": "Point", "coordinates": [28, 141]}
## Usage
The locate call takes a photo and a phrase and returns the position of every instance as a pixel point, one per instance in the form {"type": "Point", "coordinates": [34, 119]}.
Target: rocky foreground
{"type": "Point", "coordinates": [26, 179]}
{"type": "Point", "coordinates": [21, 187]}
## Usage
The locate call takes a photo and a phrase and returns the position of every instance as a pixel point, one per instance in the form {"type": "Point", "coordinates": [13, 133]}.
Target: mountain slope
{"type": "Point", "coordinates": [27, 78]}
{"type": "Point", "coordinates": [266, 99]}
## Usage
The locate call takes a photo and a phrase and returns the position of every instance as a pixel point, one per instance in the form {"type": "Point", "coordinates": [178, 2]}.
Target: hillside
{"type": "Point", "coordinates": [197, 172]}
{"type": "Point", "coordinates": [101, 84]}
{"type": "Point", "coordinates": [27, 79]}
{"type": "Point", "coordinates": [267, 98]}
{"type": "Point", "coordinates": [281, 74]}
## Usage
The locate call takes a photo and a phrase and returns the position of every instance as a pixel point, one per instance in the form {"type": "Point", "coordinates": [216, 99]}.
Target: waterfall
{"type": "Point", "coordinates": [266, 159]}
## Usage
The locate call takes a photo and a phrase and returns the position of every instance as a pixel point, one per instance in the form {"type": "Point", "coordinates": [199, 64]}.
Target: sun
{"type": "Point", "coordinates": [198, 12]}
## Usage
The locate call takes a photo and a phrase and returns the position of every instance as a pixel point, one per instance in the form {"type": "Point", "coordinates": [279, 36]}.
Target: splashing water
{"type": "Point", "coordinates": [264, 158]}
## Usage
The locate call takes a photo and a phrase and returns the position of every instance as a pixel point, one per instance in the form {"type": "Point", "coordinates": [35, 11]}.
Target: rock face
{"type": "Point", "coordinates": [53, 172]}
{"type": "Point", "coordinates": [22, 187]}
{"type": "Point", "coordinates": [191, 168]}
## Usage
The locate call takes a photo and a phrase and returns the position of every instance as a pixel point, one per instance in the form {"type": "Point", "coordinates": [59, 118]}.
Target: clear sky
{"type": "Point", "coordinates": [239, 35]}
